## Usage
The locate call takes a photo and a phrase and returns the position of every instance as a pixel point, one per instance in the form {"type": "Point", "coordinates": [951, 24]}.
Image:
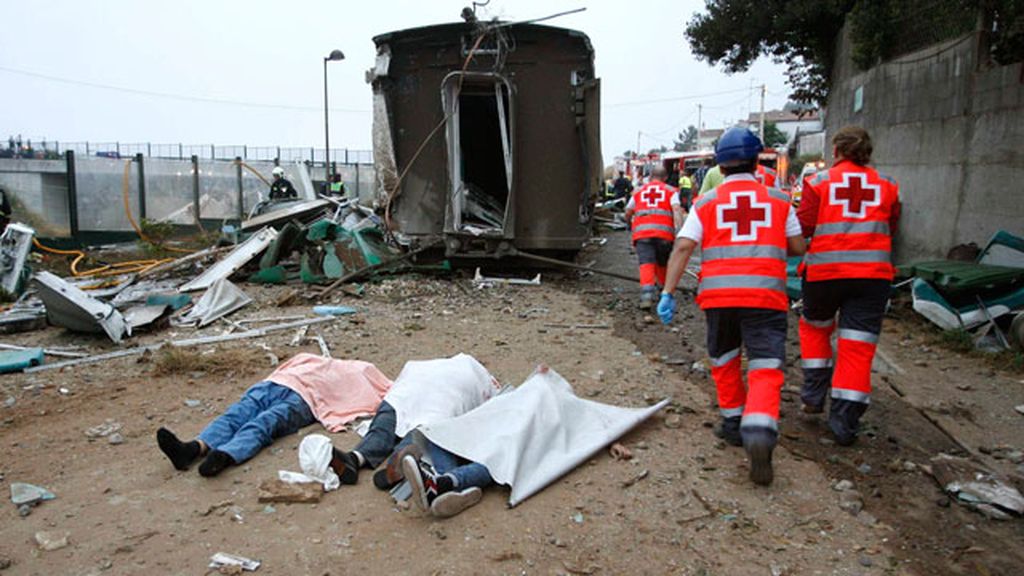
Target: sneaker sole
{"type": "Point", "coordinates": [761, 472]}
{"type": "Point", "coordinates": [411, 469]}
{"type": "Point", "coordinates": [393, 467]}
{"type": "Point", "coordinates": [451, 503]}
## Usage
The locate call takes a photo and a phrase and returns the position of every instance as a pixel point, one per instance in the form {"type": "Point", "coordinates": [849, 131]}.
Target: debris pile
{"type": "Point", "coordinates": [320, 242]}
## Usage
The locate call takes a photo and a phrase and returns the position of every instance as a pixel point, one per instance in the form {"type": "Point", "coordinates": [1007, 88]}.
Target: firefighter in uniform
{"type": "Point", "coordinates": [745, 231]}
{"type": "Point", "coordinates": [281, 188]}
{"type": "Point", "coordinates": [850, 212]}
{"type": "Point", "coordinates": [654, 214]}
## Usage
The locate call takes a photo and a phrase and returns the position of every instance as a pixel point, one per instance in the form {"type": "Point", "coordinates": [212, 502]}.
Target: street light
{"type": "Point", "coordinates": [333, 56]}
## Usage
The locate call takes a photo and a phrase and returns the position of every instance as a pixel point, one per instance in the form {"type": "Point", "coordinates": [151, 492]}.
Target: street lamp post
{"type": "Point", "coordinates": [333, 56]}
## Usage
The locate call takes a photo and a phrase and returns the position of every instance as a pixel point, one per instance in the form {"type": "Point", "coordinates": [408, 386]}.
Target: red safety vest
{"type": "Point", "coordinates": [852, 237]}
{"type": "Point", "coordinates": [743, 259]}
{"type": "Point", "coordinates": [766, 176]}
{"type": "Point", "coordinates": [653, 212]}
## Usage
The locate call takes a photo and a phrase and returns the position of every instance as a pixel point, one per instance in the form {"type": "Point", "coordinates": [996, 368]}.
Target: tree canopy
{"type": "Point", "coordinates": [687, 140]}
{"type": "Point", "coordinates": [799, 33]}
{"type": "Point", "coordinates": [773, 136]}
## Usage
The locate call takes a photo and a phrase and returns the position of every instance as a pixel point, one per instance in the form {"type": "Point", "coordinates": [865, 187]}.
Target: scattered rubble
{"type": "Point", "coordinates": [50, 541]}
{"type": "Point", "coordinates": [276, 490]}
{"type": "Point", "coordinates": [223, 559]}
{"type": "Point", "coordinates": [974, 486]}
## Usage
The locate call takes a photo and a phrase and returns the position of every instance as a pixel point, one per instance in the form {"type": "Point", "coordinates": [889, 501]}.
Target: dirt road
{"type": "Point", "coordinates": [683, 505]}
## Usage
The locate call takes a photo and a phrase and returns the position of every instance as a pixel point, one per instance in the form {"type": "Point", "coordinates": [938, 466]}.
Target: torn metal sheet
{"type": "Point", "coordinates": [15, 244]}
{"type": "Point", "coordinates": [481, 280]}
{"type": "Point", "coordinates": [231, 263]}
{"type": "Point", "coordinates": [71, 308]}
{"type": "Point", "coordinates": [222, 559]}
{"type": "Point", "coordinates": [144, 314]}
{"type": "Point", "coordinates": [302, 211]}
{"type": "Point", "coordinates": [139, 292]}
{"type": "Point", "coordinates": [23, 318]}
{"type": "Point", "coordinates": [221, 299]}
{"type": "Point", "coordinates": [975, 486]}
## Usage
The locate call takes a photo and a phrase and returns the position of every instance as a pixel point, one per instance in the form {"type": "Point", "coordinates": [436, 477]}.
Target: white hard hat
{"type": "Point", "coordinates": [278, 171]}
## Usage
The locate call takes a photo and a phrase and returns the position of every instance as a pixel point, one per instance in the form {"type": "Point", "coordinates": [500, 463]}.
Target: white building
{"type": "Point", "coordinates": [788, 122]}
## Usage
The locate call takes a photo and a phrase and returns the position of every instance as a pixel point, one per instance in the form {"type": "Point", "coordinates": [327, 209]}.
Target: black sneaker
{"type": "Point", "coordinates": [426, 486]}
{"type": "Point", "coordinates": [345, 465]}
{"type": "Point", "coordinates": [759, 444]}
{"type": "Point", "coordinates": [729, 430]}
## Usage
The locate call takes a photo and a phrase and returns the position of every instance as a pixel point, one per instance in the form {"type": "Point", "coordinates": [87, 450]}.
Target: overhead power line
{"type": "Point", "coordinates": [679, 98]}
{"type": "Point", "coordinates": [169, 96]}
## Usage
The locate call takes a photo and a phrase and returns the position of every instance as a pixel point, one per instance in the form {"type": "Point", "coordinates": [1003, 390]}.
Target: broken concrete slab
{"type": "Point", "coordinates": [235, 260]}
{"type": "Point", "coordinates": [275, 490]}
{"type": "Point", "coordinates": [71, 308]}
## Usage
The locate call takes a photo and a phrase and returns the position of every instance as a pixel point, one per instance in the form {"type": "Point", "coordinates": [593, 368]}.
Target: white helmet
{"type": "Point", "coordinates": [278, 171]}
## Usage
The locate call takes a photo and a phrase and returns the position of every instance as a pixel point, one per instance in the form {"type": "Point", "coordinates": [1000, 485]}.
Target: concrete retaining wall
{"type": "Point", "coordinates": [950, 132]}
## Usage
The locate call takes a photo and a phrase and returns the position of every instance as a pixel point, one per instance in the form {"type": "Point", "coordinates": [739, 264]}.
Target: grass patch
{"type": "Point", "coordinates": [173, 361]}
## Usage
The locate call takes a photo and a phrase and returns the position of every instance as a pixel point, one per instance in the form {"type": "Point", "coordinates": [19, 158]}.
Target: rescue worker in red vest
{"type": "Point", "coordinates": [766, 176]}
{"type": "Point", "coordinates": [850, 212]}
{"type": "Point", "coordinates": [745, 231]}
{"type": "Point", "coordinates": [654, 214]}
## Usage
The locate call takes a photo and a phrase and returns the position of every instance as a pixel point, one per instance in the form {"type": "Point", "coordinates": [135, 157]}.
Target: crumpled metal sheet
{"type": "Point", "coordinates": [231, 263]}
{"type": "Point", "coordinates": [15, 244]}
{"type": "Point", "coordinates": [75, 310]}
{"type": "Point", "coordinates": [143, 315]}
{"type": "Point", "coordinates": [975, 486]}
{"type": "Point", "coordinates": [221, 299]}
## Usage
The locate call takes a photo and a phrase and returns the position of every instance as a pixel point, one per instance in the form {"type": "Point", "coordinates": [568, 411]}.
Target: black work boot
{"type": "Point", "coordinates": [759, 442]}
{"type": "Point", "coordinates": [729, 430]}
{"type": "Point", "coordinates": [844, 420]}
{"type": "Point", "coordinates": [815, 389]}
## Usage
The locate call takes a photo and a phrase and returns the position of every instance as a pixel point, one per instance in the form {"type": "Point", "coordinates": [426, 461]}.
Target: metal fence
{"type": "Point", "coordinates": [83, 197]}
{"type": "Point", "coordinates": [41, 148]}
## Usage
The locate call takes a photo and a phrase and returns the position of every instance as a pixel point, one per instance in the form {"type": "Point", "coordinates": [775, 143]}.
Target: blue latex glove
{"type": "Point", "coordinates": [666, 308]}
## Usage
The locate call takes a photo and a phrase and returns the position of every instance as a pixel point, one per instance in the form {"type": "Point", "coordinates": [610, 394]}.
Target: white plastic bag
{"type": "Point", "coordinates": [315, 453]}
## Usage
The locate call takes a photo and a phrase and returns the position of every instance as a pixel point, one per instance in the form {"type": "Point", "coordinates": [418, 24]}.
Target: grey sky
{"type": "Point", "coordinates": [271, 53]}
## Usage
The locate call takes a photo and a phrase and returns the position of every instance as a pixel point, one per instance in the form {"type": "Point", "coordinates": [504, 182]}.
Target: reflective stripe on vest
{"type": "Point", "coordinates": [852, 228]}
{"type": "Point", "coordinates": [659, 227]}
{"type": "Point", "coordinates": [654, 212]}
{"type": "Point", "coordinates": [742, 281]}
{"type": "Point", "coordinates": [745, 251]}
{"type": "Point", "coordinates": [848, 257]}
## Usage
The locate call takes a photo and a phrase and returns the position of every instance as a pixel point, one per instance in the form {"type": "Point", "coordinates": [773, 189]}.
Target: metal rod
{"type": "Point", "coordinates": [241, 189]}
{"type": "Point", "coordinates": [69, 159]}
{"type": "Point", "coordinates": [142, 185]}
{"type": "Point", "coordinates": [195, 188]}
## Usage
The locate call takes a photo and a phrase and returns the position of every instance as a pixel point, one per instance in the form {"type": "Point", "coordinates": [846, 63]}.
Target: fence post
{"type": "Point", "coordinates": [346, 156]}
{"type": "Point", "coordinates": [87, 153]}
{"type": "Point", "coordinates": [149, 149]}
{"type": "Point", "coordinates": [213, 152]}
{"type": "Point", "coordinates": [142, 186]}
{"type": "Point", "coordinates": [72, 193]}
{"type": "Point", "coordinates": [180, 156]}
{"type": "Point", "coordinates": [357, 179]}
{"type": "Point", "coordinates": [195, 189]}
{"type": "Point", "coordinates": [245, 151]}
{"type": "Point", "coordinates": [241, 190]}
{"type": "Point", "coordinates": [117, 149]}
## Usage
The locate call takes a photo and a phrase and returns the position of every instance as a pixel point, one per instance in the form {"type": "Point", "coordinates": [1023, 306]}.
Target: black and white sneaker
{"type": "Point", "coordinates": [436, 494]}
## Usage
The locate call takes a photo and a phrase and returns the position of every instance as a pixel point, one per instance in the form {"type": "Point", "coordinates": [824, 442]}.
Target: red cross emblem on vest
{"type": "Point", "coordinates": [652, 196]}
{"type": "Point", "coordinates": [854, 195]}
{"type": "Point", "coordinates": [743, 215]}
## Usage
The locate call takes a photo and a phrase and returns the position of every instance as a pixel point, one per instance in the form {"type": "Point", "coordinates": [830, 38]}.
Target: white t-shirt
{"type": "Point", "coordinates": [631, 205]}
{"type": "Point", "coordinates": [432, 390]}
{"type": "Point", "coordinates": [694, 230]}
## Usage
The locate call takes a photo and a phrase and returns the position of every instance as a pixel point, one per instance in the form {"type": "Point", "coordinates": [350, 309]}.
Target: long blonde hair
{"type": "Point", "coordinates": [854, 144]}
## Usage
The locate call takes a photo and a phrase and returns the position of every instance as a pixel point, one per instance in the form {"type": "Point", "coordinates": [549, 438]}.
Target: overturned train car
{"type": "Point", "coordinates": [488, 135]}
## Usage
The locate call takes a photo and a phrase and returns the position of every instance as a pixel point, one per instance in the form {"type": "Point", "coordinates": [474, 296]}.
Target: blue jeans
{"type": "Point", "coordinates": [466, 475]}
{"type": "Point", "coordinates": [380, 439]}
{"type": "Point", "coordinates": [265, 412]}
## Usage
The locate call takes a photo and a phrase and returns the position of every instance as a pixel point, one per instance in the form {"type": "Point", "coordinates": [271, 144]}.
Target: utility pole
{"type": "Point", "coordinates": [764, 88]}
{"type": "Point", "coordinates": [700, 126]}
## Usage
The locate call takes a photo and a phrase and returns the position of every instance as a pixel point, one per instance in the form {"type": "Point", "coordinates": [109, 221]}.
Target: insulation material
{"type": "Point", "coordinates": [533, 435]}
{"type": "Point", "coordinates": [383, 148]}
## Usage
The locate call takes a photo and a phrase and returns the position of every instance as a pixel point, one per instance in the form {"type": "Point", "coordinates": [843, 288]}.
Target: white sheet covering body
{"type": "Point", "coordinates": [431, 390]}
{"type": "Point", "coordinates": [531, 436]}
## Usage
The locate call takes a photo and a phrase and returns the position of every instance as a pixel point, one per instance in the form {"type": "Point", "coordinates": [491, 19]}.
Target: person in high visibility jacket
{"type": "Point", "coordinates": [766, 176]}
{"type": "Point", "coordinates": [654, 214]}
{"type": "Point", "coordinates": [745, 231]}
{"type": "Point", "coordinates": [850, 212]}
{"type": "Point", "coordinates": [336, 187]}
{"type": "Point", "coordinates": [685, 189]}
